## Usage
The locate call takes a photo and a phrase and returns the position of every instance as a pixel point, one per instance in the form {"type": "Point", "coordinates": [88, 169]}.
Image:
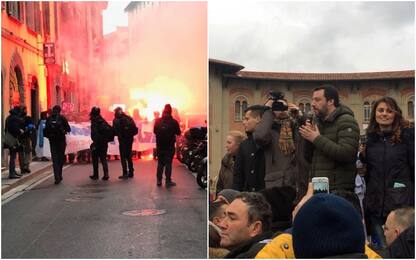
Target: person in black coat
{"type": "Point", "coordinates": [389, 156]}
{"type": "Point", "coordinates": [99, 146]}
{"type": "Point", "coordinates": [403, 246]}
{"type": "Point", "coordinates": [125, 129]}
{"type": "Point", "coordinates": [249, 167]}
{"type": "Point", "coordinates": [26, 140]}
{"type": "Point", "coordinates": [55, 130]}
{"type": "Point", "coordinates": [14, 125]}
{"type": "Point", "coordinates": [166, 129]}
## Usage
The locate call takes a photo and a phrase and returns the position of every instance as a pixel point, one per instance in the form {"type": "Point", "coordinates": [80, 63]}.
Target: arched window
{"type": "Point", "coordinates": [411, 109]}
{"type": "Point", "coordinates": [237, 111]}
{"type": "Point", "coordinates": [240, 105]}
{"type": "Point", "coordinates": [367, 111]}
{"type": "Point", "coordinates": [301, 107]}
{"type": "Point", "coordinates": [307, 107]}
{"type": "Point", "coordinates": [243, 107]}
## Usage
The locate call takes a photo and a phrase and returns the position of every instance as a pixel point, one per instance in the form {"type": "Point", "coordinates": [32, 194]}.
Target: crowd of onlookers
{"type": "Point", "coordinates": [265, 206]}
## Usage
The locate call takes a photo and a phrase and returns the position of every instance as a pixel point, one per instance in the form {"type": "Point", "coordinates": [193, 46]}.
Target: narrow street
{"type": "Point", "coordinates": [81, 218]}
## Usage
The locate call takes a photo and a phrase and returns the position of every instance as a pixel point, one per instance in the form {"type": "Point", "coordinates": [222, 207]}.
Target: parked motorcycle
{"type": "Point", "coordinates": [192, 151]}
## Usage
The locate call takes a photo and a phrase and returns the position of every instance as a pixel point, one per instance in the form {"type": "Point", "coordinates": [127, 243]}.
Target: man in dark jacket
{"type": "Point", "coordinates": [335, 137]}
{"type": "Point", "coordinates": [25, 140]}
{"type": "Point", "coordinates": [166, 129]}
{"type": "Point", "coordinates": [101, 133]}
{"type": "Point", "coordinates": [14, 126]}
{"type": "Point", "coordinates": [403, 246]}
{"type": "Point", "coordinates": [245, 230]}
{"type": "Point", "coordinates": [55, 130]}
{"type": "Point", "coordinates": [398, 221]}
{"type": "Point", "coordinates": [125, 129]}
{"type": "Point", "coordinates": [249, 166]}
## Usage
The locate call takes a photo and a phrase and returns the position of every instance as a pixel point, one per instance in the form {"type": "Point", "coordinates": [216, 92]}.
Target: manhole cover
{"type": "Point", "coordinates": [144, 212]}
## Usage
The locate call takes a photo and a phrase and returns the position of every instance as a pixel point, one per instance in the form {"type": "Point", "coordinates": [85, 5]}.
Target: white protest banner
{"type": "Point", "coordinates": [80, 139]}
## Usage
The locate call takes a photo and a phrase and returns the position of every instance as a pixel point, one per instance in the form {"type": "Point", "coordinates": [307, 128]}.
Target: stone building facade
{"type": "Point", "coordinates": [71, 31]}
{"type": "Point", "coordinates": [232, 89]}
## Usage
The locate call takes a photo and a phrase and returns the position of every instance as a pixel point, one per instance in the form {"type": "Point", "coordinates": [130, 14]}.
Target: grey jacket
{"type": "Point", "coordinates": [281, 169]}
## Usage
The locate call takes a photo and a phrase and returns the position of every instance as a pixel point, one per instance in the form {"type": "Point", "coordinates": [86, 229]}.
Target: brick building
{"type": "Point", "coordinates": [69, 33]}
{"type": "Point", "coordinates": [232, 89]}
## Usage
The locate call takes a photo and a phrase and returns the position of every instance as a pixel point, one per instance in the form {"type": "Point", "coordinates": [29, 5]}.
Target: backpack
{"type": "Point", "coordinates": [108, 132]}
{"type": "Point", "coordinates": [164, 132]}
{"type": "Point", "coordinates": [54, 128]}
{"type": "Point", "coordinates": [132, 128]}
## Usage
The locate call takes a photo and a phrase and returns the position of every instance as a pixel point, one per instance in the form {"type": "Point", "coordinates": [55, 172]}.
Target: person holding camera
{"type": "Point", "coordinates": [277, 134]}
{"type": "Point", "coordinates": [14, 127]}
{"type": "Point", "coordinates": [334, 136]}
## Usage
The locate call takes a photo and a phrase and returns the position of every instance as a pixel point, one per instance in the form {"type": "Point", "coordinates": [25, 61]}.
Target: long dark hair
{"type": "Point", "coordinates": [399, 121]}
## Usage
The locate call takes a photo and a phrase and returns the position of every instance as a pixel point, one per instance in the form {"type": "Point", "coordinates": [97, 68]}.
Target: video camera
{"type": "Point", "coordinates": [277, 105]}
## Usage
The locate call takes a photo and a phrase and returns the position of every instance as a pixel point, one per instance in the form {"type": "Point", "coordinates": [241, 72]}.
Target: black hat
{"type": "Point", "coordinates": [56, 109]}
{"type": "Point", "coordinates": [95, 111]}
{"type": "Point", "coordinates": [167, 109]}
{"type": "Point", "coordinates": [118, 109]}
{"type": "Point", "coordinates": [327, 226]}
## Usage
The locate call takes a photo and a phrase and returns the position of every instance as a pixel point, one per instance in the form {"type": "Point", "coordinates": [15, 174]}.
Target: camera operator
{"type": "Point", "coordinates": [277, 134]}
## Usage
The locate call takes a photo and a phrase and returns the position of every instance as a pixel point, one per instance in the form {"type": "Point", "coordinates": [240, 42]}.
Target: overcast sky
{"type": "Point", "coordinates": [313, 37]}
{"type": "Point", "coordinates": [114, 16]}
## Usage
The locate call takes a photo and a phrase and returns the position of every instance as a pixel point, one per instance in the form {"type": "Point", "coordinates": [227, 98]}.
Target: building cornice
{"type": "Point", "coordinates": [356, 76]}
{"type": "Point", "coordinates": [20, 41]}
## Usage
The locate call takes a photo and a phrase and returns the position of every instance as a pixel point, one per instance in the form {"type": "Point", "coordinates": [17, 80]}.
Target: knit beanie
{"type": "Point", "coordinates": [327, 225]}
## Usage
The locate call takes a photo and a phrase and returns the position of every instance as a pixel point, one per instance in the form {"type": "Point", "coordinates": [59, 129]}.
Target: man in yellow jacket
{"type": "Point", "coordinates": [281, 248]}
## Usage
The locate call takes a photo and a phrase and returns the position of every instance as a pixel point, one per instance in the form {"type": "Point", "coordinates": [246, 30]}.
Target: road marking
{"type": "Point", "coordinates": [19, 190]}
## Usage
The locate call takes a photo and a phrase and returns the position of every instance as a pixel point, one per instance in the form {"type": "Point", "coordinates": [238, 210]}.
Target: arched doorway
{"type": "Point", "coordinates": [17, 90]}
{"type": "Point", "coordinates": [16, 82]}
{"type": "Point", "coordinates": [34, 99]}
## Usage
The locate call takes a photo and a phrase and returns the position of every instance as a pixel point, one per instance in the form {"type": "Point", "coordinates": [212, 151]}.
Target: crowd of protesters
{"type": "Point", "coordinates": [24, 138]}
{"type": "Point", "coordinates": [265, 206]}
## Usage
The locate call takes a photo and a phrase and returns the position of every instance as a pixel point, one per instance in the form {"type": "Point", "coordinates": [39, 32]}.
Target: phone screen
{"type": "Point", "coordinates": [320, 186]}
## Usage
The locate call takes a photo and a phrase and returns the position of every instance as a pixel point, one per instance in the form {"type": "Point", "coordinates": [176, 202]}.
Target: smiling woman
{"type": "Point", "coordinates": [389, 156]}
